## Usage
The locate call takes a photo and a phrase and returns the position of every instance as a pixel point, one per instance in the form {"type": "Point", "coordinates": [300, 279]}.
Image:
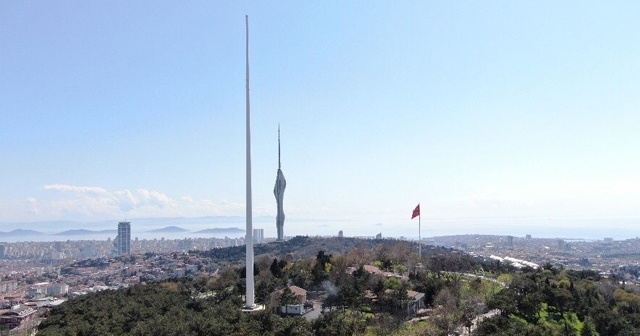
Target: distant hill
{"type": "Point", "coordinates": [169, 229]}
{"type": "Point", "coordinates": [46, 226]}
{"type": "Point", "coordinates": [21, 232]}
{"type": "Point", "coordinates": [231, 230]}
{"type": "Point", "coordinates": [81, 232]}
{"type": "Point", "coordinates": [307, 247]}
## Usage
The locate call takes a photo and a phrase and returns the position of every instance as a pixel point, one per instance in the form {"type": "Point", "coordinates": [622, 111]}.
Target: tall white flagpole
{"type": "Point", "coordinates": [419, 228]}
{"type": "Point", "coordinates": [250, 304]}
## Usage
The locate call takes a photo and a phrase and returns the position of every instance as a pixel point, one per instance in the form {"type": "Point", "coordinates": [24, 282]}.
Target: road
{"type": "Point", "coordinates": [463, 331]}
{"type": "Point", "coordinates": [485, 278]}
{"type": "Point", "coordinates": [315, 313]}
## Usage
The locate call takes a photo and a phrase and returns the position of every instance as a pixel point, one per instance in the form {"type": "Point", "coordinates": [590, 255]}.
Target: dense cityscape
{"type": "Point", "coordinates": [39, 275]}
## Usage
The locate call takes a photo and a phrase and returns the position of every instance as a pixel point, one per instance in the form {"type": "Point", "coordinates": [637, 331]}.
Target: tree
{"type": "Point", "coordinates": [266, 284]}
{"type": "Point", "coordinates": [448, 316]}
{"type": "Point", "coordinates": [588, 328]}
{"type": "Point", "coordinates": [505, 301]}
{"type": "Point", "coordinates": [351, 291]}
{"type": "Point", "coordinates": [276, 269]}
{"type": "Point", "coordinates": [359, 257]}
{"type": "Point", "coordinates": [163, 309]}
{"type": "Point", "coordinates": [340, 323]}
{"type": "Point", "coordinates": [300, 273]}
{"type": "Point", "coordinates": [332, 300]}
{"type": "Point", "coordinates": [243, 271]}
{"type": "Point", "coordinates": [430, 286]}
{"type": "Point", "coordinates": [228, 277]}
{"type": "Point", "coordinates": [528, 297]}
{"type": "Point", "coordinates": [321, 268]}
{"type": "Point", "coordinates": [287, 297]}
{"type": "Point", "coordinates": [200, 281]}
{"type": "Point", "coordinates": [394, 297]}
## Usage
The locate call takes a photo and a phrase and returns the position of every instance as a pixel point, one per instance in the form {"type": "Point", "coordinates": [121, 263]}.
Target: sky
{"type": "Point", "coordinates": [475, 110]}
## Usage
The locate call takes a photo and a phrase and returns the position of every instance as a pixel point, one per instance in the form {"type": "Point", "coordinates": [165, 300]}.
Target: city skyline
{"type": "Point", "coordinates": [478, 111]}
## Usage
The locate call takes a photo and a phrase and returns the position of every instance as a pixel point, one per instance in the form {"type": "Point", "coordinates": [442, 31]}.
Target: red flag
{"type": "Point", "coordinates": [416, 212]}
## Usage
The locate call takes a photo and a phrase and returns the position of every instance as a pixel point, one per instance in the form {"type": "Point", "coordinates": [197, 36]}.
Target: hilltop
{"type": "Point", "coordinates": [229, 230]}
{"type": "Point", "coordinates": [84, 232]}
{"type": "Point", "coordinates": [301, 247]}
{"type": "Point", "coordinates": [21, 232]}
{"type": "Point", "coordinates": [169, 229]}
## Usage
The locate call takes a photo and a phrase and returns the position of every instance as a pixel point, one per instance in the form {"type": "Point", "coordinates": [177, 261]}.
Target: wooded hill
{"type": "Point", "coordinates": [545, 302]}
{"type": "Point", "coordinates": [304, 247]}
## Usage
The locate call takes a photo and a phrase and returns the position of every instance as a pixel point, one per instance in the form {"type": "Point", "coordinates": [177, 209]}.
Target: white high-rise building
{"type": "Point", "coordinates": [123, 239]}
{"type": "Point", "coordinates": [258, 235]}
{"type": "Point", "coordinates": [57, 289]}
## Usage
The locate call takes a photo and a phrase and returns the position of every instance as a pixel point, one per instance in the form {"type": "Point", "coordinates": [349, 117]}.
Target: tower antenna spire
{"type": "Point", "coordinates": [279, 146]}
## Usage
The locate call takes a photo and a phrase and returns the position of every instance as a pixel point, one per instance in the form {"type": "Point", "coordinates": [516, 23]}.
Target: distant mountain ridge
{"type": "Point", "coordinates": [231, 230]}
{"type": "Point", "coordinates": [21, 232]}
{"type": "Point", "coordinates": [169, 229]}
{"type": "Point", "coordinates": [145, 228]}
{"type": "Point", "coordinates": [79, 232]}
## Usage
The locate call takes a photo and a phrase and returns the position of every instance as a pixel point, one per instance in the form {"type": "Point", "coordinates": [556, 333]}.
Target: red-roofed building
{"type": "Point", "coordinates": [17, 316]}
{"type": "Point", "coordinates": [293, 309]}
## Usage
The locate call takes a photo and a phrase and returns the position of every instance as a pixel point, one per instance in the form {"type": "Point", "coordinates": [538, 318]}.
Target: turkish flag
{"type": "Point", "coordinates": [416, 212]}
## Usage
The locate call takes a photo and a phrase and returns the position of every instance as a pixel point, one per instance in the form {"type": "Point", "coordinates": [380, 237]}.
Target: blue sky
{"type": "Point", "coordinates": [118, 109]}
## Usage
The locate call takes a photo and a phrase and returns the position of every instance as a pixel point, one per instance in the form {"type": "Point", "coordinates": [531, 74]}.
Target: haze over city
{"type": "Point", "coordinates": [510, 117]}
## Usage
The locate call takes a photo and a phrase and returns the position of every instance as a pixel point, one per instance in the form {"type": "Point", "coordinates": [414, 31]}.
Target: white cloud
{"type": "Point", "coordinates": [203, 207]}
{"type": "Point", "coordinates": [76, 189]}
{"type": "Point", "coordinates": [155, 198]}
{"type": "Point", "coordinates": [125, 200]}
{"type": "Point", "coordinates": [96, 203]}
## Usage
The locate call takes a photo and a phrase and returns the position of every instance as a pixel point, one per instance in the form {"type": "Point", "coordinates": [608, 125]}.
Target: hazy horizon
{"type": "Point", "coordinates": [520, 227]}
